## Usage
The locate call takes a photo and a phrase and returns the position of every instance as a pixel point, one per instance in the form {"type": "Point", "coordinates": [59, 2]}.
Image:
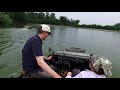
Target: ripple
{"type": "Point", "coordinates": [3, 66]}
{"type": "Point", "coordinates": [5, 46]}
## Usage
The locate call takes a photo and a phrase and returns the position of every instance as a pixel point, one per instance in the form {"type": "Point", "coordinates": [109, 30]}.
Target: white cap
{"type": "Point", "coordinates": [46, 28]}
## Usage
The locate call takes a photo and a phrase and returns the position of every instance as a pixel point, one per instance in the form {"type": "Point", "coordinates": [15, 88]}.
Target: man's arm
{"type": "Point", "coordinates": [45, 67]}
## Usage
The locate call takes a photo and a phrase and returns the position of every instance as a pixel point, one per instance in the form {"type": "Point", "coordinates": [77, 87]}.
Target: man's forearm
{"type": "Point", "coordinates": [46, 68]}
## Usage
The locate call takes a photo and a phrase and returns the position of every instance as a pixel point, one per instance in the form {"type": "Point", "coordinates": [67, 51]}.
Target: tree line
{"type": "Point", "coordinates": [106, 27]}
{"type": "Point", "coordinates": [13, 18]}
{"type": "Point", "coordinates": [22, 18]}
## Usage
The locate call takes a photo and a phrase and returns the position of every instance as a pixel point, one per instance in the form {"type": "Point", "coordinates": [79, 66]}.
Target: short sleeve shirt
{"type": "Point", "coordinates": [32, 48]}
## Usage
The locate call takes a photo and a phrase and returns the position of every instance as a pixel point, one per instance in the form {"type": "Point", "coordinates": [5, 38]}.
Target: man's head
{"type": "Point", "coordinates": [44, 31]}
{"type": "Point", "coordinates": [101, 65]}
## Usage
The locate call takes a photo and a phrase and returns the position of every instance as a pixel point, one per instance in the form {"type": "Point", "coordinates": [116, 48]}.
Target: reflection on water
{"type": "Point", "coordinates": [102, 43]}
{"type": "Point", "coordinates": [5, 41]}
{"type": "Point", "coordinates": [11, 44]}
{"type": "Point", "coordinates": [3, 65]}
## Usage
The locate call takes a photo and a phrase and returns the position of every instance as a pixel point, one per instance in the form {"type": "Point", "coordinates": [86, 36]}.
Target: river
{"type": "Point", "coordinates": [102, 43]}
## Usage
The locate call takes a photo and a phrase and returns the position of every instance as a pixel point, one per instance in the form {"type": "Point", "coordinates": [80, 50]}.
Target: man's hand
{"type": "Point", "coordinates": [49, 58]}
{"type": "Point", "coordinates": [46, 67]}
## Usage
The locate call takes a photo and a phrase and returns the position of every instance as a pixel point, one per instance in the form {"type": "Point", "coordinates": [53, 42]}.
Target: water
{"type": "Point", "coordinates": [102, 43]}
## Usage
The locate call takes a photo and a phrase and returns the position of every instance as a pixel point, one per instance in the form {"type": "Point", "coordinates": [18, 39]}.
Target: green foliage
{"type": "Point", "coordinates": [18, 17]}
{"type": "Point", "coordinates": [5, 19]}
{"type": "Point", "coordinates": [22, 18]}
{"type": "Point", "coordinates": [107, 27]}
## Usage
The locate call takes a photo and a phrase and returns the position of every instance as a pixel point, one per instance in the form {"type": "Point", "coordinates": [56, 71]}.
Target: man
{"type": "Point", "coordinates": [32, 56]}
{"type": "Point", "coordinates": [100, 67]}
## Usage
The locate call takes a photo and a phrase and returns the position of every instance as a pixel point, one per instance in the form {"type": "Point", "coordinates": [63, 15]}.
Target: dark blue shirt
{"type": "Point", "coordinates": [32, 48]}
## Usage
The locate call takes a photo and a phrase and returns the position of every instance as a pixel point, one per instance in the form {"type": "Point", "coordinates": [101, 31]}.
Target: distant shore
{"type": "Point", "coordinates": [30, 25]}
{"type": "Point", "coordinates": [35, 25]}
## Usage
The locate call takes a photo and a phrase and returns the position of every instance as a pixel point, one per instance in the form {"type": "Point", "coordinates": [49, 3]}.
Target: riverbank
{"type": "Point", "coordinates": [31, 25]}
{"type": "Point", "coordinates": [36, 25]}
{"type": "Point", "coordinates": [84, 28]}
{"type": "Point", "coordinates": [13, 26]}
{"type": "Point", "coordinates": [101, 29]}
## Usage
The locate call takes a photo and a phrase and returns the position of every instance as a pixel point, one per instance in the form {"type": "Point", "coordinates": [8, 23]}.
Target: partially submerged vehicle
{"type": "Point", "coordinates": [68, 59]}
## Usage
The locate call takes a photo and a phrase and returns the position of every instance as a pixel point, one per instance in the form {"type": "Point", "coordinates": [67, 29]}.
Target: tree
{"type": "Point", "coordinates": [117, 24]}
{"type": "Point", "coordinates": [5, 19]}
{"type": "Point", "coordinates": [77, 22]}
{"type": "Point", "coordinates": [18, 17]}
{"type": "Point", "coordinates": [52, 16]}
{"type": "Point", "coordinates": [63, 20]}
{"type": "Point", "coordinates": [47, 14]}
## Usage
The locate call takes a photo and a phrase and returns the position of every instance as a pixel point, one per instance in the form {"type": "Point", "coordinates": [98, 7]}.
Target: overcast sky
{"type": "Point", "coordinates": [101, 18]}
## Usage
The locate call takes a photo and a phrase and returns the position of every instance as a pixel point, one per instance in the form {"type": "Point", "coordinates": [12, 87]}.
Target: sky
{"type": "Point", "coordinates": [99, 18]}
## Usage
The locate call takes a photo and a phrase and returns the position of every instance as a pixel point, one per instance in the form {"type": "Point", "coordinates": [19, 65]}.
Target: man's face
{"type": "Point", "coordinates": [45, 34]}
